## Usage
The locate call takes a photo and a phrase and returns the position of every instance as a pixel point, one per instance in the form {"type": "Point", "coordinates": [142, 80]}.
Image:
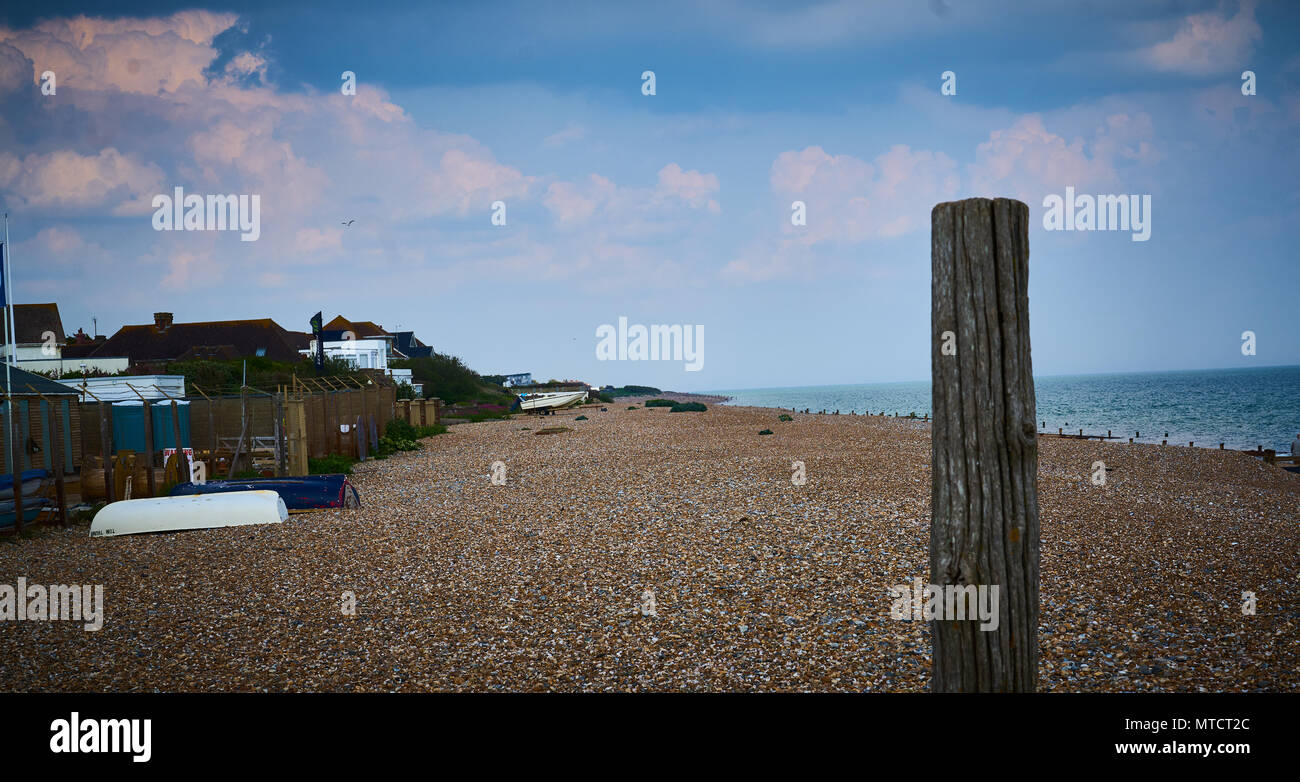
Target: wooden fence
{"type": "Point", "coordinates": [279, 430]}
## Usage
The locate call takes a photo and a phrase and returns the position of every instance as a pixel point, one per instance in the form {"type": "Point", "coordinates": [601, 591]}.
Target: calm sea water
{"type": "Point", "coordinates": [1240, 407]}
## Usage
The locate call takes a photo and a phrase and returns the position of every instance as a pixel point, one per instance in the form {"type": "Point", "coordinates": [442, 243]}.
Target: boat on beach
{"type": "Point", "coordinates": [195, 511]}
{"type": "Point", "coordinates": [32, 509]}
{"type": "Point", "coordinates": [31, 480]}
{"type": "Point", "coordinates": [300, 494]}
{"type": "Point", "coordinates": [547, 402]}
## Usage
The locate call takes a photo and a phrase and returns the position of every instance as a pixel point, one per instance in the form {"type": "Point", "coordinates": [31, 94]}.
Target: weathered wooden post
{"type": "Point", "coordinates": [56, 454]}
{"type": "Point", "coordinates": [20, 444]}
{"type": "Point", "coordinates": [183, 473]}
{"type": "Point", "coordinates": [984, 451]}
{"type": "Point", "coordinates": [148, 441]}
{"type": "Point", "coordinates": [106, 446]}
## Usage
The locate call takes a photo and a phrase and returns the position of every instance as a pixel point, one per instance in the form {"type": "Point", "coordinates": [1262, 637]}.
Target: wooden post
{"type": "Point", "coordinates": [56, 455]}
{"type": "Point", "coordinates": [60, 491]}
{"type": "Point", "coordinates": [183, 474]}
{"type": "Point", "coordinates": [984, 530]}
{"type": "Point", "coordinates": [20, 443]}
{"type": "Point", "coordinates": [106, 445]}
{"type": "Point", "coordinates": [243, 428]}
{"type": "Point", "coordinates": [212, 428]}
{"type": "Point", "coordinates": [148, 449]}
{"type": "Point", "coordinates": [148, 442]}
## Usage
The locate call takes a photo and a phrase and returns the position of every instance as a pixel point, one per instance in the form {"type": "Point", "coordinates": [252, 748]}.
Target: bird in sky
{"type": "Point", "coordinates": [350, 222]}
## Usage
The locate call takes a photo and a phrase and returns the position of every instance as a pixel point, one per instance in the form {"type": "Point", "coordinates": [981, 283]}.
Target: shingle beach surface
{"type": "Point", "coordinates": [758, 584]}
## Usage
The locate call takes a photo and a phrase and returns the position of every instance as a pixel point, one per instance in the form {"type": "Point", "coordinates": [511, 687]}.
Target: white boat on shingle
{"type": "Point", "coordinates": [196, 511]}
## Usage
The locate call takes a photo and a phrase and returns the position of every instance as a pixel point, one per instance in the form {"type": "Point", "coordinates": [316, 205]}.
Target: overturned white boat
{"type": "Point", "coordinates": [199, 511]}
{"type": "Point", "coordinates": [545, 402]}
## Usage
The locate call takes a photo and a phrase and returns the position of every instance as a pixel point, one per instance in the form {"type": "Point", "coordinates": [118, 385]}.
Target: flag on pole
{"type": "Point", "coordinates": [318, 323]}
{"type": "Point", "coordinates": [4, 298]}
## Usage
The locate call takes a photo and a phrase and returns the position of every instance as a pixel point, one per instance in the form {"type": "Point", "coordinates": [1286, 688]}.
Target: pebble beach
{"type": "Point", "coordinates": [758, 584]}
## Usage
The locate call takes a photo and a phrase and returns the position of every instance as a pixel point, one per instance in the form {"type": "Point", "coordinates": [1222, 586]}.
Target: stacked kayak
{"type": "Point", "coordinates": [32, 507]}
{"type": "Point", "coordinates": [300, 494]}
{"type": "Point", "coordinates": [32, 480]}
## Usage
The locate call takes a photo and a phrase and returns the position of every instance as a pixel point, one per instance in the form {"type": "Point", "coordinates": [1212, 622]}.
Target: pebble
{"type": "Point", "coordinates": [463, 585]}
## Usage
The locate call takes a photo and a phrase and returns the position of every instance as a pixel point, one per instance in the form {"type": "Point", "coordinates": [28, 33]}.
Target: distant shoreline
{"type": "Point", "coordinates": [679, 396]}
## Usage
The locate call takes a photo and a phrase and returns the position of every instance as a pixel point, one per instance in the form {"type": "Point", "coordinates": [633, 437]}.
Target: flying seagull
{"type": "Point", "coordinates": [350, 222]}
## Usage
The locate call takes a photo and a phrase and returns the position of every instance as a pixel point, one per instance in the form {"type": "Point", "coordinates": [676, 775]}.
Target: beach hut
{"type": "Point", "coordinates": [42, 410]}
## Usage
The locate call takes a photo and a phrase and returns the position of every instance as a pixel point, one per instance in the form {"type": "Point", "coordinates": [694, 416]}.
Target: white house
{"type": "Point", "coordinates": [360, 353]}
{"type": "Point", "coordinates": [401, 376]}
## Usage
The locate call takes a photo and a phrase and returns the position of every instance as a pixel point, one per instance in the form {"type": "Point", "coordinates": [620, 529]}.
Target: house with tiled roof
{"type": "Point", "coordinates": [41, 342]}
{"type": "Point", "coordinates": [165, 340]}
{"type": "Point", "coordinates": [410, 346]}
{"type": "Point", "coordinates": [361, 329]}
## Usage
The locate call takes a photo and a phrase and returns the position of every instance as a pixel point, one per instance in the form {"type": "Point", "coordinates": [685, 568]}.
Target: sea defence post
{"type": "Point", "coordinates": [984, 450]}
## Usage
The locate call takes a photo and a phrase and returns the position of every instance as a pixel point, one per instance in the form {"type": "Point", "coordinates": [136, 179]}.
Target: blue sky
{"type": "Point", "coordinates": [666, 209]}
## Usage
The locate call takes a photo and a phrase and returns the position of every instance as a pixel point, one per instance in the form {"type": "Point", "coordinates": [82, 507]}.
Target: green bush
{"type": "Point", "coordinates": [786, 417]}
{"type": "Point", "coordinates": [447, 378]}
{"type": "Point", "coordinates": [766, 431]}
{"type": "Point", "coordinates": [388, 445]}
{"type": "Point", "coordinates": [581, 418]}
{"type": "Point", "coordinates": [660, 403]}
{"type": "Point", "coordinates": [631, 391]}
{"type": "Point", "coordinates": [330, 465]}
{"type": "Point", "coordinates": [397, 429]}
{"type": "Point", "coordinates": [632, 407]}
{"type": "Point", "coordinates": [687, 407]}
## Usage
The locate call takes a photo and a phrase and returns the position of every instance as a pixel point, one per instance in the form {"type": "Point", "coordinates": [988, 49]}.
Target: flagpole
{"type": "Point", "coordinates": [9, 400]}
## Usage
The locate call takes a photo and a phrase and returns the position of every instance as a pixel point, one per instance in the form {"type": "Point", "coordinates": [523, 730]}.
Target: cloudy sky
{"type": "Point", "coordinates": [672, 208]}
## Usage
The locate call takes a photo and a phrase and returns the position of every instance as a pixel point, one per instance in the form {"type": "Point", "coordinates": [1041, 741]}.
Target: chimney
{"type": "Point", "coordinates": [162, 320]}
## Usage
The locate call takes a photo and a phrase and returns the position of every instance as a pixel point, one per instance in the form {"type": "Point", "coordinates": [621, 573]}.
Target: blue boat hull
{"type": "Point", "coordinates": [312, 492]}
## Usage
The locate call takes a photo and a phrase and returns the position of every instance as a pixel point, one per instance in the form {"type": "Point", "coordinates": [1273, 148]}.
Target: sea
{"type": "Point", "coordinates": [1242, 408]}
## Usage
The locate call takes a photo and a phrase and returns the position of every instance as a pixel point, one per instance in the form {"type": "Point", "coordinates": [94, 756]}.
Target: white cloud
{"type": "Point", "coordinates": [1027, 160]}
{"type": "Point", "coordinates": [631, 210]}
{"type": "Point", "coordinates": [147, 56]}
{"type": "Point", "coordinates": [850, 200]}
{"type": "Point", "coordinates": [1209, 42]}
{"type": "Point", "coordinates": [65, 180]}
{"type": "Point", "coordinates": [570, 133]}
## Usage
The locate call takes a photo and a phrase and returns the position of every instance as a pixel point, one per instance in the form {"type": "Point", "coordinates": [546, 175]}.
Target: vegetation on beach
{"type": "Point", "coordinates": [766, 431]}
{"type": "Point", "coordinates": [581, 418]}
{"type": "Point", "coordinates": [614, 393]}
{"type": "Point", "coordinates": [687, 407]}
{"type": "Point", "coordinates": [660, 403]}
{"type": "Point", "coordinates": [331, 465]}
{"type": "Point", "coordinates": [449, 379]}
{"type": "Point", "coordinates": [785, 417]}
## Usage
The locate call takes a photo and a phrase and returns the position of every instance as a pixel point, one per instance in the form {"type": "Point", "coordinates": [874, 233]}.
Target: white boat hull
{"type": "Point", "coordinates": [198, 511]}
{"type": "Point", "coordinates": [551, 401]}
